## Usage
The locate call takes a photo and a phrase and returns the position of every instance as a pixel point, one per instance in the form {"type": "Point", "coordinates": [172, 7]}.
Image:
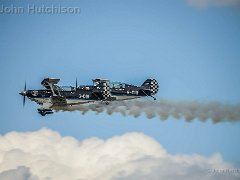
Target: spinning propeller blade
{"type": "Point", "coordinates": [23, 93]}
{"type": "Point", "coordinates": [24, 100]}
{"type": "Point", "coordinates": [25, 86]}
{"type": "Point", "coordinates": [76, 84]}
{"type": "Point", "coordinates": [24, 96]}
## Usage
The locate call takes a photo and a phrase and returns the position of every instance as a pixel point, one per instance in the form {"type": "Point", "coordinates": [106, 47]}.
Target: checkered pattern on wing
{"type": "Point", "coordinates": [106, 92]}
{"type": "Point", "coordinates": [153, 86]}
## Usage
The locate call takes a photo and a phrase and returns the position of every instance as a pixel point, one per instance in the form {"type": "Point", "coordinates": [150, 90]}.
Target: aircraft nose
{"type": "Point", "coordinates": [23, 93]}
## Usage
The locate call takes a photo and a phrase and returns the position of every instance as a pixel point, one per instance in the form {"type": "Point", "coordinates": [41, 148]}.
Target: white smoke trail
{"type": "Point", "coordinates": [188, 110]}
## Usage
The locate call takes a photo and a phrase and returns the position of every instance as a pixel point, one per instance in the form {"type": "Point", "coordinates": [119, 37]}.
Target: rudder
{"type": "Point", "coordinates": [152, 85]}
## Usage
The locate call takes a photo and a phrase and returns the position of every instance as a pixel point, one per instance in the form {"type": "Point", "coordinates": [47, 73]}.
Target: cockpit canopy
{"type": "Point", "coordinates": [64, 88]}
{"type": "Point", "coordinates": [67, 88]}
{"type": "Point", "coordinates": [99, 81]}
{"type": "Point", "coordinates": [117, 85]}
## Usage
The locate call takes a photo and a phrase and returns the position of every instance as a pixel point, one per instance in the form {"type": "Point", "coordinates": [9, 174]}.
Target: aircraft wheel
{"type": "Point", "coordinates": [42, 113]}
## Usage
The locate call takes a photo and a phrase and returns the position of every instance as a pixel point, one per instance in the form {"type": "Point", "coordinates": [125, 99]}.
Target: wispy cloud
{"type": "Point", "coordinates": [209, 3]}
{"type": "Point", "coordinates": [45, 154]}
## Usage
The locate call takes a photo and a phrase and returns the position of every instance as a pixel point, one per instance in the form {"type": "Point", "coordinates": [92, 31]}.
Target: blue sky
{"type": "Point", "coordinates": [193, 52]}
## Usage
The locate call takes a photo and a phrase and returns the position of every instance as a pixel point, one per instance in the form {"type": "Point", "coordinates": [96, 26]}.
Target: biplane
{"type": "Point", "coordinates": [54, 97]}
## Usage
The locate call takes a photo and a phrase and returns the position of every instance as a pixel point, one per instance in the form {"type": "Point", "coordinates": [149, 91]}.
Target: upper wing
{"type": "Point", "coordinates": [47, 82]}
{"type": "Point", "coordinates": [50, 83]}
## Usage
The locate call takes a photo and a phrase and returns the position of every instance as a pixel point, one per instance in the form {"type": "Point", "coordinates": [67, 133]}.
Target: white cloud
{"type": "Point", "coordinates": [45, 154]}
{"type": "Point", "coordinates": [21, 173]}
{"type": "Point", "coordinates": [207, 3]}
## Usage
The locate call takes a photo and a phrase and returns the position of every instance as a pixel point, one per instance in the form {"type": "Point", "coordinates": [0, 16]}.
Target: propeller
{"type": "Point", "coordinates": [24, 93]}
{"type": "Point", "coordinates": [76, 85]}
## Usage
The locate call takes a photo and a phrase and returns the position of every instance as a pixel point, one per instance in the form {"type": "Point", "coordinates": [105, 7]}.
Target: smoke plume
{"type": "Point", "coordinates": [164, 109]}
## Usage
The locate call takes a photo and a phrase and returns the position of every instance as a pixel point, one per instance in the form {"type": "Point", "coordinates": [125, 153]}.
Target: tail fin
{"type": "Point", "coordinates": [151, 85]}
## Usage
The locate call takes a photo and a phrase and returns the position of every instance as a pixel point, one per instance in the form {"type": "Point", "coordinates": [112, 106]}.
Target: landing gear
{"type": "Point", "coordinates": [43, 112]}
